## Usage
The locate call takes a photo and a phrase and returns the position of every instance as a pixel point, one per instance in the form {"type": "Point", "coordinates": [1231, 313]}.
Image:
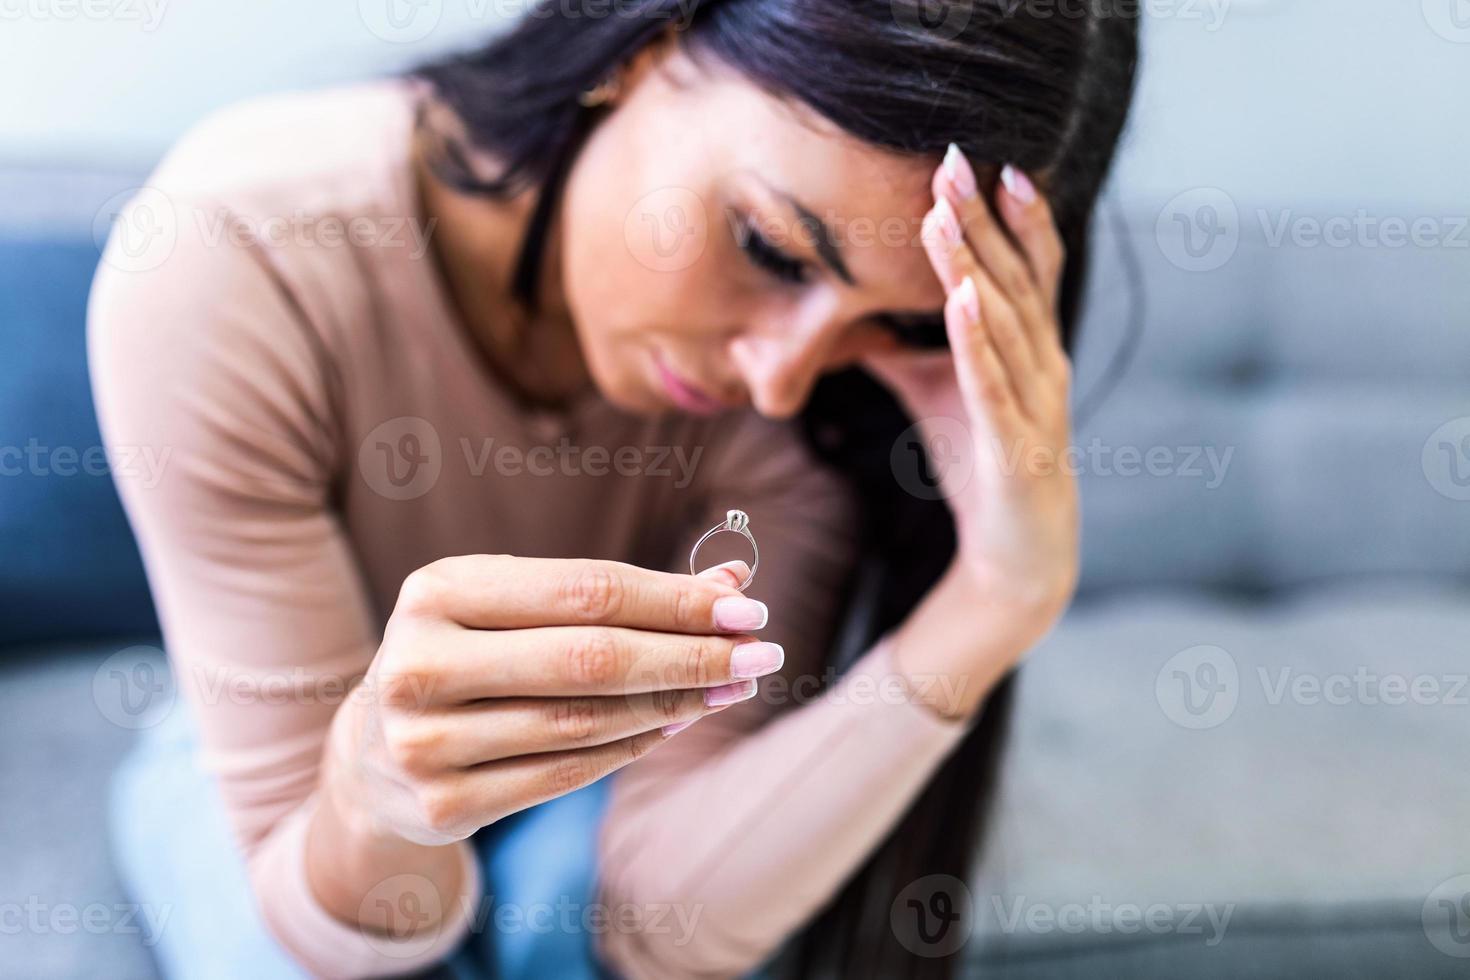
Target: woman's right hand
{"type": "Point", "coordinates": [503, 682]}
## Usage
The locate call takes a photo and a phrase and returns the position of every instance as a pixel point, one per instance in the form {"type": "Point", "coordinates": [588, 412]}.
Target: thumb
{"type": "Point", "coordinates": [730, 573]}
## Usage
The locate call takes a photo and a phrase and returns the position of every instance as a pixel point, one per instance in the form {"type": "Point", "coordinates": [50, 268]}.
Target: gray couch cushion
{"type": "Point", "coordinates": [1306, 407]}
{"type": "Point", "coordinates": [65, 730]}
{"type": "Point", "coordinates": [1318, 791]}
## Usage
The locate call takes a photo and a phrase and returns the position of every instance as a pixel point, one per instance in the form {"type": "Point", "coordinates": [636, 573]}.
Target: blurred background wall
{"type": "Point", "coordinates": [1217, 76]}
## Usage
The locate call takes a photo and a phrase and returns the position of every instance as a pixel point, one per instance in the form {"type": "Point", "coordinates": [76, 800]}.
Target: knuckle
{"type": "Point", "coordinates": [568, 774]}
{"type": "Point", "coordinates": [1056, 252]}
{"type": "Point", "coordinates": [1015, 279]}
{"type": "Point", "coordinates": [994, 390]}
{"type": "Point", "coordinates": [592, 659]}
{"type": "Point", "coordinates": [1007, 330]}
{"type": "Point", "coordinates": [1063, 370]}
{"type": "Point", "coordinates": [441, 808]}
{"type": "Point", "coordinates": [424, 589]}
{"type": "Point", "coordinates": [640, 745]}
{"type": "Point", "coordinates": [592, 591]}
{"type": "Point", "coordinates": [412, 747]}
{"type": "Point", "coordinates": [574, 719]}
{"type": "Point", "coordinates": [405, 686]}
{"type": "Point", "coordinates": [691, 608]}
{"type": "Point", "coordinates": [667, 705]}
{"type": "Point", "coordinates": [695, 657]}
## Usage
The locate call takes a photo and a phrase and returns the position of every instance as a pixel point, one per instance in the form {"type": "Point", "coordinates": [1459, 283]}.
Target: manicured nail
{"type": "Point", "coordinates": [737, 613]}
{"type": "Point", "coordinates": [732, 572]}
{"type": "Point", "coordinates": [961, 175]}
{"type": "Point", "coordinates": [1018, 184]}
{"type": "Point", "coordinates": [718, 697]}
{"type": "Point", "coordinates": [970, 299]}
{"type": "Point", "coordinates": [676, 729]}
{"type": "Point", "coordinates": [948, 222]}
{"type": "Point", "coordinates": [756, 659]}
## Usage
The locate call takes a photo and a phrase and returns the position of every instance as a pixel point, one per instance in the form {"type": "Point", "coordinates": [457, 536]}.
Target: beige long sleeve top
{"type": "Point", "coordinates": [267, 319]}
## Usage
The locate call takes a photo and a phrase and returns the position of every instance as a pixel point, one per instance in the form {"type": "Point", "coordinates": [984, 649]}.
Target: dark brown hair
{"type": "Point", "coordinates": [1042, 85]}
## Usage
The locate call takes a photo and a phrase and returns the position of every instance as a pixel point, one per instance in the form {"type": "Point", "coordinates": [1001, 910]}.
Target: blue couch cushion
{"type": "Point", "coordinates": [71, 567]}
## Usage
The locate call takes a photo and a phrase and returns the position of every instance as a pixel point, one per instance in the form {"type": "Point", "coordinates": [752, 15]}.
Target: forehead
{"type": "Point", "coordinates": [872, 199]}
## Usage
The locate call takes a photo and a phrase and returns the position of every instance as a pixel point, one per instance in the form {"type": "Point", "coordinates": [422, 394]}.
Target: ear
{"type": "Point", "coordinates": [657, 55]}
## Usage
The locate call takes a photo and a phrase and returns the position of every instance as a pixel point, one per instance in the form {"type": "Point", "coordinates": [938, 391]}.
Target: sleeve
{"type": "Point", "coordinates": [202, 357]}
{"type": "Point", "coordinates": [745, 824]}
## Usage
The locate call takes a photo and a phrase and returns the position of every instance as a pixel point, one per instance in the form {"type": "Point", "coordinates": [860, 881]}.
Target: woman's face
{"type": "Point", "coordinates": [692, 256]}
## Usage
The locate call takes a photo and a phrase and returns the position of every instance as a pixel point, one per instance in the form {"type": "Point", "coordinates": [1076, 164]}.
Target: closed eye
{"type": "Point", "coordinates": [766, 256]}
{"type": "Point", "coordinates": [924, 331]}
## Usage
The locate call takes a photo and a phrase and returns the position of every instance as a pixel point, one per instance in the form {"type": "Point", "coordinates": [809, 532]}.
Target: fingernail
{"type": "Point", "coordinates": [732, 572]}
{"type": "Point", "coordinates": [970, 299]}
{"type": "Point", "coordinates": [1017, 184]}
{"type": "Point", "coordinates": [961, 175]}
{"type": "Point", "coordinates": [676, 729]}
{"type": "Point", "coordinates": [756, 659]}
{"type": "Point", "coordinates": [717, 697]}
{"type": "Point", "coordinates": [737, 613]}
{"type": "Point", "coordinates": [949, 222]}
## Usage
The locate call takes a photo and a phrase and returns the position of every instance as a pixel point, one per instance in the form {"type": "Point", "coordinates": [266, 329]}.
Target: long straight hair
{"type": "Point", "coordinates": [1046, 89]}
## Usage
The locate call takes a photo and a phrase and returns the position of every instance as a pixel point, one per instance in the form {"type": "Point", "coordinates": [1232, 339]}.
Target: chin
{"type": "Point", "coordinates": [627, 395]}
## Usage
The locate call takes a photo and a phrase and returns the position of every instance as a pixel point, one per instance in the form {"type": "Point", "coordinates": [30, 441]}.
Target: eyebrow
{"type": "Point", "coordinates": [824, 238]}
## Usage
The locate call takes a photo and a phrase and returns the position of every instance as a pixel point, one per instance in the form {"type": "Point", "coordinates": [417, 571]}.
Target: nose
{"type": "Point", "coordinates": [781, 361]}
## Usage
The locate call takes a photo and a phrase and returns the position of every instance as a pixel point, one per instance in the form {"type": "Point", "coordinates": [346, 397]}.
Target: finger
{"type": "Point", "coordinates": [507, 727]}
{"type": "Point", "coordinates": [983, 378]}
{"type": "Point", "coordinates": [566, 661]}
{"type": "Point", "coordinates": [954, 260]}
{"type": "Point", "coordinates": [1029, 217]}
{"type": "Point", "coordinates": [511, 592]}
{"type": "Point", "coordinates": [991, 241]}
{"type": "Point", "coordinates": [728, 573]}
{"type": "Point", "coordinates": [531, 779]}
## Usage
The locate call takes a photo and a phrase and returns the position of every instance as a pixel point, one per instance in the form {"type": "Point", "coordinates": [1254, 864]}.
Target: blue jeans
{"type": "Point", "coordinates": [175, 854]}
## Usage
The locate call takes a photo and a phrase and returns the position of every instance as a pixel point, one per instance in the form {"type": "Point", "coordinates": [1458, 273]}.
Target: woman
{"type": "Point", "coordinates": [738, 234]}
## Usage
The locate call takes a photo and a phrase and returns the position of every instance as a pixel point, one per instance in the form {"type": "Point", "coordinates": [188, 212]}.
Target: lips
{"type": "Point", "coordinates": [683, 393]}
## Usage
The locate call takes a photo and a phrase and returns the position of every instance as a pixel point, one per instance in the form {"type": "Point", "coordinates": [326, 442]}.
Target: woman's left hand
{"type": "Point", "coordinates": [996, 403]}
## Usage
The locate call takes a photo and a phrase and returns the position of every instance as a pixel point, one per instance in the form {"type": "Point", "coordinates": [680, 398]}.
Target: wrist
{"type": "Point", "coordinates": [960, 641]}
{"type": "Point", "coordinates": [351, 852]}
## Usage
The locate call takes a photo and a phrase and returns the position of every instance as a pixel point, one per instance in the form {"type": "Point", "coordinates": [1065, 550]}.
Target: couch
{"type": "Point", "coordinates": [1238, 754]}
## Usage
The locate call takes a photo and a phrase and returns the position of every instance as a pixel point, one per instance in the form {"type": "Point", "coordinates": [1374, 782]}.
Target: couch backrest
{"type": "Point", "coordinates": [1303, 382]}
{"type": "Point", "coordinates": [70, 567]}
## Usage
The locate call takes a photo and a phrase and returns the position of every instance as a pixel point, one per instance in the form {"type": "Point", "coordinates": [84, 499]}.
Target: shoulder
{"type": "Point", "coordinates": [303, 149]}
{"type": "Point", "coordinates": [243, 250]}
{"type": "Point", "coordinates": [231, 281]}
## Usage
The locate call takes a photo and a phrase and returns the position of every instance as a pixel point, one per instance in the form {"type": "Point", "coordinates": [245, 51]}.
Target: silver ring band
{"type": "Point", "coordinates": [739, 522]}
